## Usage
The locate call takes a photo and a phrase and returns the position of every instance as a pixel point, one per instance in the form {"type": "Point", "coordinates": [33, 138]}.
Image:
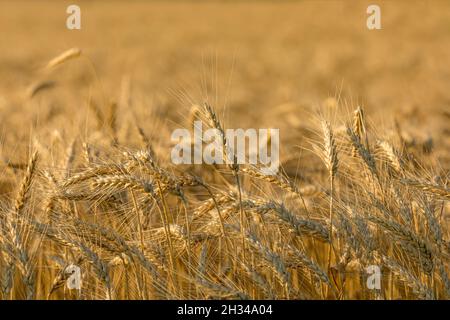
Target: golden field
{"type": "Point", "coordinates": [86, 177]}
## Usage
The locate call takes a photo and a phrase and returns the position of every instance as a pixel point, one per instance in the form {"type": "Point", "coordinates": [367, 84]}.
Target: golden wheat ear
{"type": "Point", "coordinates": [63, 57]}
{"type": "Point", "coordinates": [359, 127]}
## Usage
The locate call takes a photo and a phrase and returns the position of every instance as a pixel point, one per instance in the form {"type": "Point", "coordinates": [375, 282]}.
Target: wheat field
{"type": "Point", "coordinates": [87, 181]}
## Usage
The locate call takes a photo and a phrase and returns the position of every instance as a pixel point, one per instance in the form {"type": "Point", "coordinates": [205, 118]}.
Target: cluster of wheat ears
{"type": "Point", "coordinates": [139, 227]}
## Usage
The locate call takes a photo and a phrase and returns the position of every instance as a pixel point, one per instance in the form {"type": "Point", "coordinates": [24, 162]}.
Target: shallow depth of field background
{"type": "Point", "coordinates": [261, 55]}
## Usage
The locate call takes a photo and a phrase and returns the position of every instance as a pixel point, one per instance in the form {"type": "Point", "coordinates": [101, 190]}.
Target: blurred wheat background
{"type": "Point", "coordinates": [85, 171]}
